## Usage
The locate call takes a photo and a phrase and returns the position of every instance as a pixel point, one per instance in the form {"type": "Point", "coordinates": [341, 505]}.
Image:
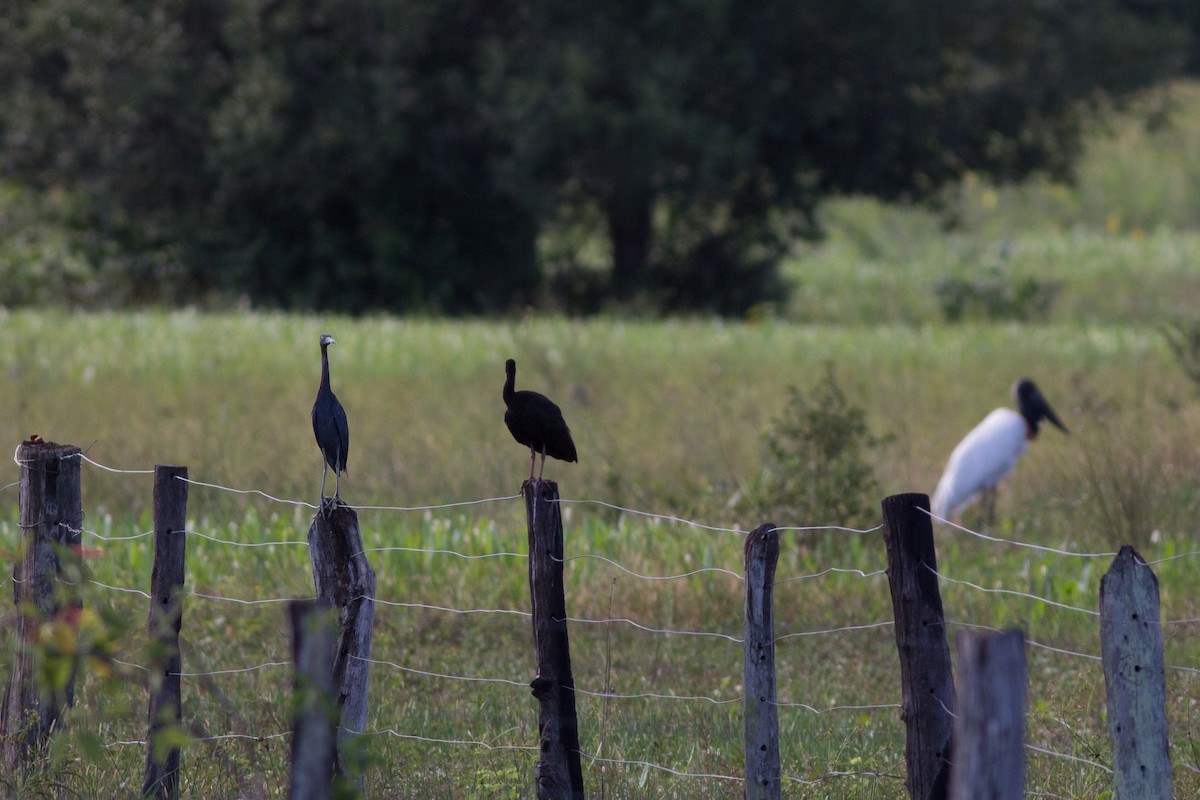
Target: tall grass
{"type": "Point", "coordinates": [1121, 241]}
{"type": "Point", "coordinates": [669, 418]}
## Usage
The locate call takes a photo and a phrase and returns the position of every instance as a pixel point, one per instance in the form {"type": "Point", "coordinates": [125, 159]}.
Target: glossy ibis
{"type": "Point", "coordinates": [536, 422]}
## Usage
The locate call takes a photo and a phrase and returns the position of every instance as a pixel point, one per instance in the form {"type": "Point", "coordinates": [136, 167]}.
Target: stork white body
{"type": "Point", "coordinates": [991, 451]}
{"type": "Point", "coordinates": [980, 461]}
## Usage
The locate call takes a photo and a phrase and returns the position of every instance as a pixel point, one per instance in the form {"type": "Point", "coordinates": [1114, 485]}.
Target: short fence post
{"type": "Point", "coordinates": [314, 726]}
{"type": "Point", "coordinates": [927, 684]}
{"type": "Point", "coordinates": [559, 773]}
{"type": "Point", "coordinates": [1131, 648]}
{"type": "Point", "coordinates": [344, 580]}
{"type": "Point", "coordinates": [989, 734]}
{"type": "Point", "coordinates": [161, 777]}
{"type": "Point", "coordinates": [51, 521]}
{"type": "Point", "coordinates": [761, 736]}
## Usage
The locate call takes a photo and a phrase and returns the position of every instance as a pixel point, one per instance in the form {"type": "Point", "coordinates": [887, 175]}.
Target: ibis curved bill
{"type": "Point", "coordinates": [990, 452]}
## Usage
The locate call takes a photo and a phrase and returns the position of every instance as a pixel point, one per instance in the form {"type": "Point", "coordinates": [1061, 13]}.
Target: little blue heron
{"type": "Point", "coordinates": [536, 422]}
{"type": "Point", "coordinates": [329, 425]}
{"type": "Point", "coordinates": [990, 452]}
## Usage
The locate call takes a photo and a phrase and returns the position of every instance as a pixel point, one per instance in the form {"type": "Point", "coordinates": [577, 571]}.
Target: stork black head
{"type": "Point", "coordinates": [326, 340]}
{"type": "Point", "coordinates": [1033, 407]}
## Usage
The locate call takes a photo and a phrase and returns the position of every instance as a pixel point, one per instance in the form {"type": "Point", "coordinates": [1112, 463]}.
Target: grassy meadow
{"type": "Point", "coordinates": [669, 418]}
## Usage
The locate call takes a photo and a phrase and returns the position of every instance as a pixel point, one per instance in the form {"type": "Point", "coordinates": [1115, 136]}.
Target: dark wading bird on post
{"type": "Point", "coordinates": [329, 426]}
{"type": "Point", "coordinates": [536, 422]}
{"type": "Point", "coordinates": [990, 451]}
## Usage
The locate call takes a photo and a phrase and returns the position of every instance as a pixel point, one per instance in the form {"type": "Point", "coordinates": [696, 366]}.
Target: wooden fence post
{"type": "Point", "coordinates": [927, 684]}
{"type": "Point", "coordinates": [51, 519]}
{"type": "Point", "coordinates": [559, 774]}
{"type": "Point", "coordinates": [761, 735]}
{"type": "Point", "coordinates": [314, 726]}
{"type": "Point", "coordinates": [989, 734]}
{"type": "Point", "coordinates": [161, 777]}
{"type": "Point", "coordinates": [344, 580]}
{"type": "Point", "coordinates": [1131, 648]}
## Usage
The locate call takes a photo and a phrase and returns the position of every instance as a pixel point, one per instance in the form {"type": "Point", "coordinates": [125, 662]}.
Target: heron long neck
{"type": "Point", "coordinates": [325, 366]}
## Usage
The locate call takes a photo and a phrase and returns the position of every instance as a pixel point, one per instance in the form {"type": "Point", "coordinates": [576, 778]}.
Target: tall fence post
{"type": "Point", "coordinates": [161, 777]}
{"type": "Point", "coordinates": [344, 580]}
{"type": "Point", "coordinates": [51, 519]}
{"type": "Point", "coordinates": [989, 733]}
{"type": "Point", "coordinates": [1131, 648]}
{"type": "Point", "coordinates": [761, 735]}
{"type": "Point", "coordinates": [927, 684]}
{"type": "Point", "coordinates": [314, 725]}
{"type": "Point", "coordinates": [559, 773]}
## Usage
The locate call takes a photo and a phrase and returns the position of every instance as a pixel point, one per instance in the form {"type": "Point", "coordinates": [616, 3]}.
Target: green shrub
{"type": "Point", "coordinates": [996, 295]}
{"type": "Point", "coordinates": [818, 470]}
{"type": "Point", "coordinates": [1184, 340]}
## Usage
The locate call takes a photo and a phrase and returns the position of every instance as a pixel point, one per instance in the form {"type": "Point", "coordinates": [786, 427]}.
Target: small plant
{"type": "Point", "coordinates": [818, 469]}
{"type": "Point", "coordinates": [1184, 340]}
{"type": "Point", "coordinates": [996, 295]}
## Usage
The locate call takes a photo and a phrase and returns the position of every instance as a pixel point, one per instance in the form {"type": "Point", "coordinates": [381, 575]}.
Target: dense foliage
{"type": "Point", "coordinates": [465, 157]}
{"type": "Point", "coordinates": [818, 463]}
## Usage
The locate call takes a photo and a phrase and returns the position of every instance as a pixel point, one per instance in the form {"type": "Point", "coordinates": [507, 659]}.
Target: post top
{"type": "Point", "coordinates": [35, 448]}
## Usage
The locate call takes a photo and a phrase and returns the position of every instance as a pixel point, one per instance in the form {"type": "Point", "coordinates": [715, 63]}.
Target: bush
{"type": "Point", "coordinates": [817, 467]}
{"type": "Point", "coordinates": [996, 295]}
{"type": "Point", "coordinates": [1184, 340]}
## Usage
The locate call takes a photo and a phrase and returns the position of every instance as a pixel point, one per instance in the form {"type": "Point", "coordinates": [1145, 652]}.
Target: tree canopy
{"type": "Point", "coordinates": [359, 155]}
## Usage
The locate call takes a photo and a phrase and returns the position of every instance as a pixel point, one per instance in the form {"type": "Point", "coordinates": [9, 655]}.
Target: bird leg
{"type": "Point", "coordinates": [989, 506]}
{"type": "Point", "coordinates": [323, 505]}
{"type": "Point", "coordinates": [529, 480]}
{"type": "Point", "coordinates": [543, 467]}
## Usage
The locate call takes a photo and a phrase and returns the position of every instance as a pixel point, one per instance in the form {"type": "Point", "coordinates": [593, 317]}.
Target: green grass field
{"type": "Point", "coordinates": [669, 418]}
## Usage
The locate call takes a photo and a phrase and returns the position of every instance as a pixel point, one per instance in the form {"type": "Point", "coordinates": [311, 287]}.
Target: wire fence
{"type": "Point", "coordinates": [884, 714]}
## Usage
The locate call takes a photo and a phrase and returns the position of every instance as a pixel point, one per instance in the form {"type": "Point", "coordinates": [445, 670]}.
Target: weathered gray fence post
{"type": "Point", "coordinates": [314, 725]}
{"type": "Point", "coordinates": [44, 585]}
{"type": "Point", "coordinates": [761, 735]}
{"type": "Point", "coordinates": [1131, 647]}
{"type": "Point", "coordinates": [161, 777]}
{"type": "Point", "coordinates": [345, 580]}
{"type": "Point", "coordinates": [989, 734]}
{"type": "Point", "coordinates": [559, 773]}
{"type": "Point", "coordinates": [927, 684]}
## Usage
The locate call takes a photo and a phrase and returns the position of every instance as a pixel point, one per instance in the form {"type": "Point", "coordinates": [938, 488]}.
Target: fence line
{"type": "Point", "coordinates": [439, 506]}
{"type": "Point", "coordinates": [1014, 592]}
{"type": "Point", "coordinates": [858, 572]}
{"type": "Point", "coordinates": [625, 509]}
{"type": "Point", "coordinates": [442, 551]}
{"type": "Point", "coordinates": [640, 626]}
{"type": "Point", "coordinates": [616, 761]}
{"type": "Point", "coordinates": [1014, 542]}
{"type": "Point", "coordinates": [83, 457]}
{"type": "Point", "coordinates": [845, 629]}
{"type": "Point", "coordinates": [259, 492]}
{"type": "Point", "coordinates": [628, 571]}
{"type": "Point", "coordinates": [691, 523]}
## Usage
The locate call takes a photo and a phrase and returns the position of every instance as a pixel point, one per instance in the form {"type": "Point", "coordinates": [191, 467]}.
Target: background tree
{"type": "Point", "coordinates": [405, 154]}
{"type": "Point", "coordinates": [706, 133]}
